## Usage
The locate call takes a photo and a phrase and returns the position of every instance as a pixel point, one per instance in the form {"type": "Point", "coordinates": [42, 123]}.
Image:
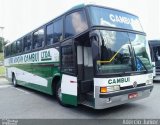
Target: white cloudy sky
{"type": "Point", "coordinates": [21, 16]}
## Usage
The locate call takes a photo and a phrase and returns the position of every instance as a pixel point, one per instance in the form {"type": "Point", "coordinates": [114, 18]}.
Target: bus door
{"type": "Point", "coordinates": [68, 71]}
{"type": "Point", "coordinates": [85, 66]}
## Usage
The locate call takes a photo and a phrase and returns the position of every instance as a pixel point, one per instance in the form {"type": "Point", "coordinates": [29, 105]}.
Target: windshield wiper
{"type": "Point", "coordinates": [139, 60]}
{"type": "Point", "coordinates": [132, 56]}
{"type": "Point", "coordinates": [142, 64]}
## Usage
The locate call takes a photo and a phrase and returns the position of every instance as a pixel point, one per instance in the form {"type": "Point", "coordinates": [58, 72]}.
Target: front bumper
{"type": "Point", "coordinates": [117, 98]}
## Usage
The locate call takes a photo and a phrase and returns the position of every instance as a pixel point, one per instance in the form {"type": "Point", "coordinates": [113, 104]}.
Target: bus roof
{"type": "Point", "coordinates": [79, 6]}
{"type": "Point", "coordinates": [83, 5]}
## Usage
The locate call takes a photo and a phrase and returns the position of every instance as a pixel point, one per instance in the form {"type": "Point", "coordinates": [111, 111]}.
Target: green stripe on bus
{"type": "Point", "coordinates": [47, 90]}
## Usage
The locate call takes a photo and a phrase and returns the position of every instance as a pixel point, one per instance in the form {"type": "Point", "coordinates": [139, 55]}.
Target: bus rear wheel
{"type": "Point", "coordinates": [14, 81]}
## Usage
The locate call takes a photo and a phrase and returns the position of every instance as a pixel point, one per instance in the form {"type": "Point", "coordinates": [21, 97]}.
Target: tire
{"type": "Point", "coordinates": [59, 94]}
{"type": "Point", "coordinates": [14, 81]}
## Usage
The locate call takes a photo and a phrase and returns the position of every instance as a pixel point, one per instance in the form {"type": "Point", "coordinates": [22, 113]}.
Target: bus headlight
{"type": "Point", "coordinates": [149, 82]}
{"type": "Point", "coordinates": [113, 88]}
{"type": "Point", "coordinates": [109, 89]}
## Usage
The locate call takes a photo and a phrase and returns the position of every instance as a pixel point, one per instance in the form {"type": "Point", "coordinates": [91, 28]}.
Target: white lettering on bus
{"type": "Point", "coordinates": [119, 19]}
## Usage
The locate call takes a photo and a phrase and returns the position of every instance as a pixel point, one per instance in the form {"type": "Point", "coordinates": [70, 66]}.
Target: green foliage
{"type": "Point", "coordinates": [1, 57]}
{"type": "Point", "coordinates": [2, 70]}
{"type": "Point", "coordinates": [2, 44]}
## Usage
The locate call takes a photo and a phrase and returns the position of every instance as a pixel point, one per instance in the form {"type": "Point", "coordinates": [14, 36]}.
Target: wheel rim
{"type": "Point", "coordinates": [59, 94]}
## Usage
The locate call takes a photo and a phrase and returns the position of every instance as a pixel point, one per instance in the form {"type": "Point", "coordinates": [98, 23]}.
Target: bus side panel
{"type": "Point", "coordinates": [69, 89]}
{"type": "Point", "coordinates": [34, 70]}
{"type": "Point", "coordinates": [46, 71]}
{"type": "Point", "coordinates": [38, 76]}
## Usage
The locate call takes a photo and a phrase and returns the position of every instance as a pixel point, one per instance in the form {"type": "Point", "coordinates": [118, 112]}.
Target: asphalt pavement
{"type": "Point", "coordinates": [23, 103]}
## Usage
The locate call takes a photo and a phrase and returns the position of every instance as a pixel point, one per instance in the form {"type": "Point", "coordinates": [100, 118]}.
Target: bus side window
{"type": "Point", "coordinates": [75, 23]}
{"type": "Point", "coordinates": [27, 43]}
{"type": "Point", "coordinates": [54, 32]}
{"type": "Point", "coordinates": [49, 34]}
{"type": "Point", "coordinates": [19, 46]}
{"type": "Point", "coordinates": [57, 31]}
{"type": "Point", "coordinates": [8, 50]}
{"type": "Point", "coordinates": [13, 48]}
{"type": "Point", "coordinates": [38, 39]}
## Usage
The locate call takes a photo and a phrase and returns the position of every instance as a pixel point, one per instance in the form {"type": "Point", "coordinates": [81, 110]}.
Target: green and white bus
{"type": "Point", "coordinates": [90, 55]}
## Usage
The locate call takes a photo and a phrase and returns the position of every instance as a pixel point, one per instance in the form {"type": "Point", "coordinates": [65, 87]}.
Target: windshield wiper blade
{"type": "Point", "coordinates": [142, 64]}
{"type": "Point", "coordinates": [139, 60]}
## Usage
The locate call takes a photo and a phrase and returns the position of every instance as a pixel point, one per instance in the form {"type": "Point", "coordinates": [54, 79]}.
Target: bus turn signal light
{"type": "Point", "coordinates": [103, 89]}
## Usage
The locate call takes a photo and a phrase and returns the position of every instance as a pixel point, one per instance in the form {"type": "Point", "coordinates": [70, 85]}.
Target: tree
{"type": "Point", "coordinates": [2, 44]}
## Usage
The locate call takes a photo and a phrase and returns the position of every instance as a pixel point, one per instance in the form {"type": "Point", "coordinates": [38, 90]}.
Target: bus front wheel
{"type": "Point", "coordinates": [59, 94]}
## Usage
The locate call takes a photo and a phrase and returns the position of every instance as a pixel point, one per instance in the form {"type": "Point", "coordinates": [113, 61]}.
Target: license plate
{"type": "Point", "coordinates": [132, 95]}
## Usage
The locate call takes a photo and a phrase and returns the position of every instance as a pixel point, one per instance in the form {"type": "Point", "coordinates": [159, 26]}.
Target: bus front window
{"type": "Point", "coordinates": [139, 45]}
{"type": "Point", "coordinates": [121, 52]}
{"type": "Point", "coordinates": [115, 55]}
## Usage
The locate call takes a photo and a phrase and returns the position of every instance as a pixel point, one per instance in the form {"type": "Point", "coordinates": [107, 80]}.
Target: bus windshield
{"type": "Point", "coordinates": [117, 50]}
{"type": "Point", "coordinates": [139, 45]}
{"type": "Point", "coordinates": [112, 18]}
